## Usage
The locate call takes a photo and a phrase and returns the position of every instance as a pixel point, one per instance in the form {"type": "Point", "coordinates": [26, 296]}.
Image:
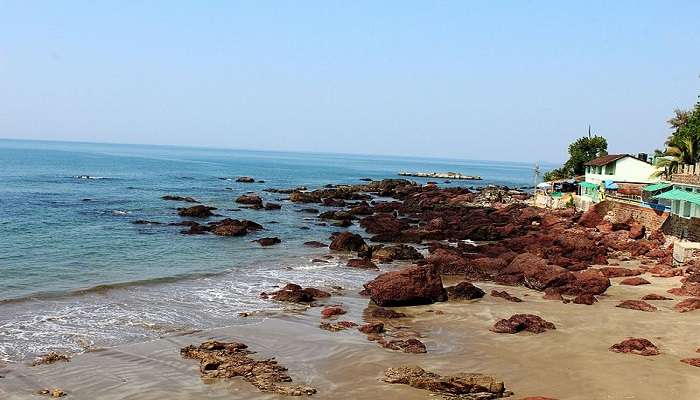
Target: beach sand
{"type": "Point", "coordinates": [571, 362]}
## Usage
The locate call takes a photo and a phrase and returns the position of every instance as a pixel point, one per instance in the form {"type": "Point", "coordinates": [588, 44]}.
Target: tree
{"type": "Point", "coordinates": [683, 146]}
{"type": "Point", "coordinates": [581, 151]}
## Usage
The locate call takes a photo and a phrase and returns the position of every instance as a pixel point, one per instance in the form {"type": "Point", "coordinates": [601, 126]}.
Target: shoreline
{"type": "Point", "coordinates": [564, 267]}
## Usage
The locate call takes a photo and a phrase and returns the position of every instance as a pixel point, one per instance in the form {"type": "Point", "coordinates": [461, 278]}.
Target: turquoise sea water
{"type": "Point", "coordinates": [75, 272]}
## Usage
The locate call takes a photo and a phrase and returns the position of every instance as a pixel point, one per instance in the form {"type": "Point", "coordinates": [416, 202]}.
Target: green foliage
{"type": "Point", "coordinates": [581, 151]}
{"type": "Point", "coordinates": [683, 146]}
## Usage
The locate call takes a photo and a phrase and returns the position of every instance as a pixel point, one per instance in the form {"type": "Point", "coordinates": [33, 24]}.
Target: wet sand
{"type": "Point", "coordinates": [572, 362]}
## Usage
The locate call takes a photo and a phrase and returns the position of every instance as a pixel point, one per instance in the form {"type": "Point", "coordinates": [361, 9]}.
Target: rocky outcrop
{"type": "Point", "coordinates": [347, 241]}
{"type": "Point", "coordinates": [387, 254]}
{"type": "Point", "coordinates": [362, 263]}
{"type": "Point", "coordinates": [468, 386]}
{"type": "Point", "coordinates": [227, 360]}
{"type": "Point", "coordinates": [250, 199]}
{"type": "Point", "coordinates": [268, 241]}
{"type": "Point", "coordinates": [505, 295]}
{"type": "Point", "coordinates": [411, 286]}
{"type": "Point", "coordinates": [464, 291]}
{"type": "Point", "coordinates": [638, 346]}
{"type": "Point", "coordinates": [199, 211]}
{"type": "Point", "coordinates": [292, 293]}
{"type": "Point", "coordinates": [522, 322]}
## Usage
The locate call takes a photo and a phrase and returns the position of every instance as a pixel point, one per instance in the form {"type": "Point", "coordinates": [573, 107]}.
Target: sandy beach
{"type": "Point", "coordinates": [571, 362]}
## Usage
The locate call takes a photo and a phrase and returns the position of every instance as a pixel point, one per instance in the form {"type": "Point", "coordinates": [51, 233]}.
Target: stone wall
{"type": "Point", "coordinates": [683, 228]}
{"type": "Point", "coordinates": [619, 212]}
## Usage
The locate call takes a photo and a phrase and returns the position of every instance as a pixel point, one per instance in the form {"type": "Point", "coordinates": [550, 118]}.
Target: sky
{"type": "Point", "coordinates": [496, 80]}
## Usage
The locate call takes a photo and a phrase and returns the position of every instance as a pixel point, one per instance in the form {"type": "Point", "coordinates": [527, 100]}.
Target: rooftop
{"type": "Point", "coordinates": [604, 160]}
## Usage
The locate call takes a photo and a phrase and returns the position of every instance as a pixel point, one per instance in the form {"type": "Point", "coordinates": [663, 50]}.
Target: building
{"type": "Point", "coordinates": [617, 173]}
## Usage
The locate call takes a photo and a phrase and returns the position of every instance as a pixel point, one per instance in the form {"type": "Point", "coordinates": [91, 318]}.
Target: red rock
{"type": "Point", "coordinates": [695, 362]}
{"type": "Point", "coordinates": [616, 272]}
{"type": "Point", "coordinates": [346, 241]}
{"type": "Point", "coordinates": [636, 230]}
{"type": "Point", "coordinates": [654, 296]}
{"type": "Point", "coordinates": [505, 295]}
{"type": "Point", "coordinates": [411, 286]}
{"type": "Point", "coordinates": [464, 291]}
{"type": "Point", "coordinates": [230, 230]}
{"type": "Point", "coordinates": [314, 243]}
{"type": "Point", "coordinates": [535, 273]}
{"type": "Point", "coordinates": [590, 218]}
{"type": "Point", "coordinates": [316, 293]}
{"type": "Point", "coordinates": [588, 281]}
{"type": "Point", "coordinates": [638, 346]}
{"type": "Point", "coordinates": [448, 261]}
{"type": "Point", "coordinates": [250, 199]}
{"type": "Point", "coordinates": [362, 263]}
{"type": "Point", "coordinates": [407, 346]}
{"type": "Point", "coordinates": [196, 211]}
{"type": "Point", "coordinates": [688, 305]}
{"type": "Point", "coordinates": [639, 305]}
{"type": "Point", "coordinates": [552, 295]}
{"type": "Point", "coordinates": [329, 312]}
{"type": "Point", "coordinates": [386, 313]}
{"type": "Point", "coordinates": [522, 322]}
{"type": "Point", "coordinates": [635, 281]}
{"type": "Point", "coordinates": [372, 328]}
{"type": "Point", "coordinates": [585, 298]}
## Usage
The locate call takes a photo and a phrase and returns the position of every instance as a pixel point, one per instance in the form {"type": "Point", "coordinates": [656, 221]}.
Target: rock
{"type": "Point", "coordinates": [654, 296]}
{"type": "Point", "coordinates": [329, 312]}
{"type": "Point", "coordinates": [52, 392]}
{"type": "Point", "coordinates": [636, 230]}
{"type": "Point", "coordinates": [590, 218]}
{"type": "Point", "coordinates": [337, 326]}
{"type": "Point", "coordinates": [196, 211]}
{"type": "Point", "coordinates": [50, 358]}
{"type": "Point", "coordinates": [227, 360]}
{"type": "Point", "coordinates": [410, 286]}
{"type": "Point", "coordinates": [688, 305]}
{"type": "Point", "coordinates": [145, 222]}
{"type": "Point", "coordinates": [272, 206]}
{"type": "Point", "coordinates": [372, 328]}
{"type": "Point", "coordinates": [505, 295]}
{"type": "Point", "coordinates": [414, 346]}
{"type": "Point", "coordinates": [616, 272]}
{"type": "Point", "coordinates": [314, 243]}
{"type": "Point", "coordinates": [522, 322]}
{"type": "Point", "coordinates": [695, 362]}
{"type": "Point", "coordinates": [385, 313]}
{"type": "Point", "coordinates": [635, 281]}
{"type": "Point", "coordinates": [346, 241]}
{"type": "Point", "coordinates": [637, 305]}
{"type": "Point", "coordinates": [245, 179]}
{"type": "Point", "coordinates": [292, 293]}
{"type": "Point", "coordinates": [361, 263]}
{"type": "Point", "coordinates": [230, 230]}
{"type": "Point", "coordinates": [638, 346]}
{"type": "Point", "coordinates": [250, 199]}
{"type": "Point", "coordinates": [587, 281]}
{"type": "Point", "coordinates": [585, 298]}
{"type": "Point", "coordinates": [464, 291]}
{"type": "Point", "coordinates": [552, 294]}
{"type": "Point", "coordinates": [179, 198]}
{"type": "Point", "coordinates": [316, 293]}
{"type": "Point", "coordinates": [398, 252]}
{"type": "Point", "coordinates": [268, 241]}
{"type": "Point", "coordinates": [472, 386]}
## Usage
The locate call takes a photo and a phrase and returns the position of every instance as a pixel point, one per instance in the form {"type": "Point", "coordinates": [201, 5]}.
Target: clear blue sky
{"type": "Point", "coordinates": [504, 80]}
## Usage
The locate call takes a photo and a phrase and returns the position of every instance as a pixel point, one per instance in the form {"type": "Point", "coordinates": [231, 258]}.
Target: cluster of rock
{"type": "Point", "coordinates": [227, 360]}
{"type": "Point", "coordinates": [224, 227]}
{"type": "Point", "coordinates": [465, 386]}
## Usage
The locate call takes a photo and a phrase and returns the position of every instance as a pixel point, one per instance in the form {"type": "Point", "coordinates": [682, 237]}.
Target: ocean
{"type": "Point", "coordinates": [76, 273]}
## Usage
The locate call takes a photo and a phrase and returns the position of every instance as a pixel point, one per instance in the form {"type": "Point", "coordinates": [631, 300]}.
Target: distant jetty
{"type": "Point", "coordinates": [441, 175]}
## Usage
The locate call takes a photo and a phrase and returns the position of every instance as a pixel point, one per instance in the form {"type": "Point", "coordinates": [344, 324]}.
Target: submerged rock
{"type": "Point", "coordinates": [385, 313]}
{"type": "Point", "coordinates": [522, 322]}
{"type": "Point", "coordinates": [196, 211]}
{"type": "Point", "coordinates": [337, 326]}
{"type": "Point", "coordinates": [227, 360]}
{"type": "Point", "coordinates": [372, 328]}
{"type": "Point", "coordinates": [186, 199]}
{"type": "Point", "coordinates": [638, 346]}
{"type": "Point", "coordinates": [410, 286]}
{"type": "Point", "coordinates": [250, 199]}
{"type": "Point", "coordinates": [639, 305]}
{"type": "Point", "coordinates": [505, 295]}
{"type": "Point", "coordinates": [412, 345]}
{"type": "Point", "coordinates": [695, 362]}
{"type": "Point", "coordinates": [268, 241]}
{"type": "Point", "coordinates": [245, 179]}
{"type": "Point", "coordinates": [362, 263]}
{"type": "Point", "coordinates": [314, 243]}
{"type": "Point", "coordinates": [466, 386]}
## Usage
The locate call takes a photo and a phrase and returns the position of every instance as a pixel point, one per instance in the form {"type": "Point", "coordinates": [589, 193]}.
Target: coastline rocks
{"type": "Point", "coordinates": [362, 263]}
{"type": "Point", "coordinates": [638, 346]}
{"type": "Point", "coordinates": [635, 281]}
{"type": "Point", "coordinates": [688, 305]}
{"type": "Point", "coordinates": [347, 241]}
{"type": "Point", "coordinates": [412, 345]}
{"type": "Point", "coordinates": [585, 298]}
{"type": "Point", "coordinates": [411, 286]}
{"type": "Point", "coordinates": [186, 199]}
{"type": "Point", "coordinates": [292, 293]}
{"type": "Point", "coordinates": [464, 291]}
{"type": "Point", "coordinates": [590, 218]}
{"type": "Point", "coordinates": [272, 206]}
{"type": "Point", "coordinates": [617, 272]}
{"type": "Point", "coordinates": [250, 199]}
{"type": "Point", "coordinates": [522, 322]}
{"type": "Point", "coordinates": [332, 311]}
{"type": "Point", "coordinates": [639, 305]}
{"type": "Point", "coordinates": [387, 254]}
{"type": "Point", "coordinates": [505, 295]}
{"type": "Point", "coordinates": [474, 386]}
{"type": "Point", "coordinates": [232, 227]}
{"type": "Point", "coordinates": [196, 211]}
{"type": "Point", "coordinates": [385, 313]}
{"type": "Point", "coordinates": [372, 328]}
{"type": "Point", "coordinates": [268, 241]}
{"type": "Point", "coordinates": [226, 360]}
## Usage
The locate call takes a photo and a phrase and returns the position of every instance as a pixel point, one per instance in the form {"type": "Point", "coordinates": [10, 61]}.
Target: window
{"type": "Point", "coordinates": [610, 169]}
{"type": "Point", "coordinates": [686, 209]}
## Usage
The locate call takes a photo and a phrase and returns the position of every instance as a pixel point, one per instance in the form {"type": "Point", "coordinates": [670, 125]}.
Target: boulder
{"type": "Point", "coordinates": [616, 272]}
{"type": "Point", "coordinates": [196, 211]}
{"type": "Point", "coordinates": [590, 218]}
{"type": "Point", "coordinates": [476, 386]}
{"type": "Point", "coordinates": [272, 206]}
{"type": "Point", "coordinates": [372, 328]}
{"type": "Point", "coordinates": [245, 179]}
{"type": "Point", "coordinates": [362, 263]}
{"type": "Point", "coordinates": [397, 252]}
{"type": "Point", "coordinates": [687, 305]}
{"type": "Point", "coordinates": [505, 295]}
{"type": "Point", "coordinates": [522, 322]}
{"type": "Point", "coordinates": [585, 298]}
{"type": "Point", "coordinates": [268, 241]}
{"type": "Point", "coordinates": [636, 231]}
{"type": "Point", "coordinates": [654, 296]}
{"type": "Point", "coordinates": [464, 291]}
{"type": "Point", "coordinates": [385, 313]}
{"type": "Point", "coordinates": [333, 311]}
{"type": "Point", "coordinates": [250, 199]}
{"type": "Point", "coordinates": [638, 346]}
{"type": "Point", "coordinates": [406, 345]}
{"type": "Point", "coordinates": [635, 281]}
{"type": "Point", "coordinates": [639, 305]}
{"type": "Point", "coordinates": [411, 286]}
{"type": "Point", "coordinates": [347, 241]}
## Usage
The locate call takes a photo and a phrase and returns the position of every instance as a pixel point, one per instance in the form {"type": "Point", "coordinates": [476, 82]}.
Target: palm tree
{"type": "Point", "coordinates": [683, 146]}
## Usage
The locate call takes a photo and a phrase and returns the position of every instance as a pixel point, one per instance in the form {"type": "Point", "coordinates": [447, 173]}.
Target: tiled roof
{"type": "Point", "coordinates": [604, 160]}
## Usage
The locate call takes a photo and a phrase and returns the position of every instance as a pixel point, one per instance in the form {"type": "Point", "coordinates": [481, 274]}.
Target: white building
{"type": "Point", "coordinates": [620, 168]}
